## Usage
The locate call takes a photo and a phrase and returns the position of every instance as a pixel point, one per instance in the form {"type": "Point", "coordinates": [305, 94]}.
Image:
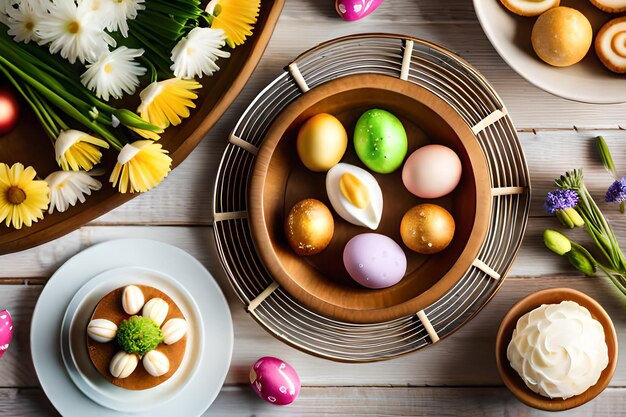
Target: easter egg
{"type": "Point", "coordinates": [355, 195]}
{"type": "Point", "coordinates": [374, 260]}
{"type": "Point", "coordinates": [322, 141]}
{"type": "Point", "coordinates": [432, 171]}
{"type": "Point", "coordinates": [380, 141]}
{"type": "Point", "coordinates": [275, 381]}
{"type": "Point", "coordinates": [6, 331]}
{"type": "Point", "coordinates": [9, 111]}
{"type": "Point", "coordinates": [427, 228]}
{"type": "Point", "coordinates": [309, 227]}
{"type": "Point", "coordinates": [351, 10]}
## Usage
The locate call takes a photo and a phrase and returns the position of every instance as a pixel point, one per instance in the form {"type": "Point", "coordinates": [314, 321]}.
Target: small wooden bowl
{"type": "Point", "coordinates": [279, 180]}
{"type": "Point", "coordinates": [511, 378]}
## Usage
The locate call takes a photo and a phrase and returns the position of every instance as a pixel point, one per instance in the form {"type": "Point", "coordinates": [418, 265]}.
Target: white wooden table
{"type": "Point", "coordinates": [457, 376]}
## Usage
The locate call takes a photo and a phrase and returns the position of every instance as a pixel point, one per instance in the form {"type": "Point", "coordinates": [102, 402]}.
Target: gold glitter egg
{"type": "Point", "coordinates": [427, 228]}
{"type": "Point", "coordinates": [309, 227]}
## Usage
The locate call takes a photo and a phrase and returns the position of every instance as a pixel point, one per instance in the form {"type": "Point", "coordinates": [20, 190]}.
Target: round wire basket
{"type": "Point", "coordinates": [462, 87]}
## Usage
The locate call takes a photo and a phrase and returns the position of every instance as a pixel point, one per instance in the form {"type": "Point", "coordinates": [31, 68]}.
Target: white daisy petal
{"type": "Point", "coordinates": [114, 73]}
{"type": "Point", "coordinates": [196, 53]}
{"type": "Point", "coordinates": [5, 6]}
{"type": "Point", "coordinates": [76, 32]}
{"type": "Point", "coordinates": [69, 187]}
{"type": "Point", "coordinates": [23, 20]}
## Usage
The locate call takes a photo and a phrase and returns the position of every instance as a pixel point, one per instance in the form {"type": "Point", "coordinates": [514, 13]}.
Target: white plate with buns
{"type": "Point", "coordinates": [588, 81]}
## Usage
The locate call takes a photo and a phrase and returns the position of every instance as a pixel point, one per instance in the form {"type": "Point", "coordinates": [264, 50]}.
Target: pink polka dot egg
{"type": "Point", "coordinates": [275, 381]}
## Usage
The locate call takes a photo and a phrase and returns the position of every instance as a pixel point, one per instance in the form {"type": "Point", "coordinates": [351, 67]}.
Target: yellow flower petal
{"type": "Point", "coordinates": [235, 17]}
{"type": "Point", "coordinates": [167, 102]}
{"type": "Point", "coordinates": [76, 150]}
{"type": "Point", "coordinates": [35, 195]}
{"type": "Point", "coordinates": [140, 166]}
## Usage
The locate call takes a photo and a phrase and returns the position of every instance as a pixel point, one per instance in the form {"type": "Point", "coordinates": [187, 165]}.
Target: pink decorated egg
{"type": "Point", "coordinates": [374, 260]}
{"type": "Point", "coordinates": [275, 381]}
{"type": "Point", "coordinates": [6, 331]}
{"type": "Point", "coordinates": [356, 9]}
{"type": "Point", "coordinates": [432, 171]}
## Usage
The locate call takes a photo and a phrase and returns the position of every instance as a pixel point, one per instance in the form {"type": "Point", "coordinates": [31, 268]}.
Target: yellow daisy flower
{"type": "Point", "coordinates": [167, 102]}
{"type": "Point", "coordinates": [235, 17]}
{"type": "Point", "coordinates": [140, 166]}
{"type": "Point", "coordinates": [76, 150]}
{"type": "Point", "coordinates": [22, 198]}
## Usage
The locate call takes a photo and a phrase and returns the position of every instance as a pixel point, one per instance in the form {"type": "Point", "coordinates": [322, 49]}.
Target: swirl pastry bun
{"type": "Point", "coordinates": [530, 7]}
{"type": "Point", "coordinates": [610, 6]}
{"type": "Point", "coordinates": [610, 45]}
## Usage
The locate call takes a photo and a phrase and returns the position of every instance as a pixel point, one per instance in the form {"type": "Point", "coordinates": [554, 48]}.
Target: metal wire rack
{"type": "Point", "coordinates": [462, 87]}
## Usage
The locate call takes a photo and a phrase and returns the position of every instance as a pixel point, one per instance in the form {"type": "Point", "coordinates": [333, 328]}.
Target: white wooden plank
{"type": "Point", "coordinates": [465, 358]}
{"type": "Point", "coordinates": [40, 261]}
{"type": "Point", "coordinates": [240, 401]}
{"type": "Point", "coordinates": [405, 401]}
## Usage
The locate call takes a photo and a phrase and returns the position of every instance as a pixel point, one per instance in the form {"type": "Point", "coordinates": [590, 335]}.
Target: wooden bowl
{"type": "Point", "coordinates": [217, 94]}
{"type": "Point", "coordinates": [511, 378]}
{"type": "Point", "coordinates": [279, 180]}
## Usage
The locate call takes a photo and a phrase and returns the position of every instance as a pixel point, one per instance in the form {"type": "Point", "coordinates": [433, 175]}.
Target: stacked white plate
{"type": "Point", "coordinates": [58, 340]}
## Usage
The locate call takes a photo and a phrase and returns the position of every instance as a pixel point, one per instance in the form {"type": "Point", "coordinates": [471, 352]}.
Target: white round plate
{"type": "Point", "coordinates": [76, 358]}
{"type": "Point", "coordinates": [588, 81]}
{"type": "Point", "coordinates": [203, 386]}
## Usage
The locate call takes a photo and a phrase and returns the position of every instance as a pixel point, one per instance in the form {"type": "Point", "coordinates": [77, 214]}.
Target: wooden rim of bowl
{"type": "Point", "coordinates": [511, 378]}
{"type": "Point", "coordinates": [260, 233]}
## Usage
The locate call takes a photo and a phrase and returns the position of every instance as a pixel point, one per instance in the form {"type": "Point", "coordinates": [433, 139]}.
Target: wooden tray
{"type": "Point", "coordinates": [29, 145]}
{"type": "Point", "coordinates": [279, 180]}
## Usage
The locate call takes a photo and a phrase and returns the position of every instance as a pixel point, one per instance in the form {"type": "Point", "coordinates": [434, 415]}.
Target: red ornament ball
{"type": "Point", "coordinates": [9, 111]}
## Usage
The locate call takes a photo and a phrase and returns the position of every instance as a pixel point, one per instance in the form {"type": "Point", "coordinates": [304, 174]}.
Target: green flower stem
{"type": "Point", "coordinates": [156, 54]}
{"type": "Point", "coordinates": [59, 121]}
{"type": "Point", "coordinates": [595, 223]}
{"type": "Point", "coordinates": [43, 109]}
{"type": "Point", "coordinates": [153, 71]}
{"type": "Point", "coordinates": [49, 128]}
{"type": "Point", "coordinates": [605, 156]}
{"type": "Point", "coordinates": [67, 108]}
{"type": "Point", "coordinates": [23, 67]}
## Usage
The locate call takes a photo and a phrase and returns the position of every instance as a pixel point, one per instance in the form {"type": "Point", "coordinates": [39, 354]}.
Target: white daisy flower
{"type": "Point", "coordinates": [77, 32]}
{"type": "Point", "coordinates": [23, 21]}
{"type": "Point", "coordinates": [5, 5]}
{"type": "Point", "coordinates": [196, 53]}
{"type": "Point", "coordinates": [114, 73]}
{"type": "Point", "coordinates": [116, 13]}
{"type": "Point", "coordinates": [69, 187]}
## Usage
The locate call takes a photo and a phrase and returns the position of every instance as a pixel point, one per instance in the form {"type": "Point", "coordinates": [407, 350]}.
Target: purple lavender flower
{"type": "Point", "coordinates": [617, 191]}
{"type": "Point", "coordinates": [561, 200]}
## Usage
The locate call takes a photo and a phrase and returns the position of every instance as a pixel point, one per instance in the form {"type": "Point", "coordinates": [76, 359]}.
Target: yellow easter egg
{"type": "Point", "coordinates": [322, 141]}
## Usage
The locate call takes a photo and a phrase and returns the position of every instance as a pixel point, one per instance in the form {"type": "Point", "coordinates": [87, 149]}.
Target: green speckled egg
{"type": "Point", "coordinates": [380, 141]}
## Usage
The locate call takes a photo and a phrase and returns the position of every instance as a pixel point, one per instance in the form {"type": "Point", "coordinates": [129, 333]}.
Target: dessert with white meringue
{"type": "Point", "coordinates": [137, 337]}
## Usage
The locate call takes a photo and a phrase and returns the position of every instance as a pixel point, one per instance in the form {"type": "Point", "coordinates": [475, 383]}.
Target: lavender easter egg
{"type": "Point", "coordinates": [374, 260]}
{"type": "Point", "coordinates": [275, 381]}
{"type": "Point", "coordinates": [356, 9]}
{"type": "Point", "coordinates": [6, 331]}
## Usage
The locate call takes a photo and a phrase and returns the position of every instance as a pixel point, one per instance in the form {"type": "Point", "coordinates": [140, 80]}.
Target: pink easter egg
{"type": "Point", "coordinates": [275, 381]}
{"type": "Point", "coordinates": [351, 10]}
{"type": "Point", "coordinates": [6, 331]}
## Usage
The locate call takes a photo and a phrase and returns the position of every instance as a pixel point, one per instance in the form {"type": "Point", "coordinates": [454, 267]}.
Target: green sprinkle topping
{"type": "Point", "coordinates": [139, 335]}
